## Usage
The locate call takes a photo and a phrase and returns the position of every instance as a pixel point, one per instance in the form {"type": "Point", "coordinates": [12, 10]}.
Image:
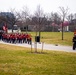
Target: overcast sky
{"type": "Point", "coordinates": [47, 5]}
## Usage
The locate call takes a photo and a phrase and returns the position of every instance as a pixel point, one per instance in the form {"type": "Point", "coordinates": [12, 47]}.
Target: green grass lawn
{"type": "Point", "coordinates": [20, 61]}
{"type": "Point", "coordinates": [55, 37]}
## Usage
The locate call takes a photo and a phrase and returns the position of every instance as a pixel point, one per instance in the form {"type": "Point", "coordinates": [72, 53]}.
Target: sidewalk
{"type": "Point", "coordinates": [45, 46]}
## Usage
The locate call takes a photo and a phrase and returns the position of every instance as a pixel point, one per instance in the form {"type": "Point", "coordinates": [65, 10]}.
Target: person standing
{"type": "Point", "coordinates": [74, 42]}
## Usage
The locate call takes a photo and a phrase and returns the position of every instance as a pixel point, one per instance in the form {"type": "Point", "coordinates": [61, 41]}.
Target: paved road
{"type": "Point", "coordinates": [45, 46]}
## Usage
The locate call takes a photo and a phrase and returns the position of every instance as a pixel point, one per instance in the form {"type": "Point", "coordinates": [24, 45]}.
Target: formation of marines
{"type": "Point", "coordinates": [16, 38]}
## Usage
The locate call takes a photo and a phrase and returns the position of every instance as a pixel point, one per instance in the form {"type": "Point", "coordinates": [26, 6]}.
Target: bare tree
{"type": "Point", "coordinates": [2, 21]}
{"type": "Point", "coordinates": [39, 18]}
{"type": "Point", "coordinates": [25, 16]}
{"type": "Point", "coordinates": [70, 17]}
{"type": "Point", "coordinates": [22, 17]}
{"type": "Point", "coordinates": [8, 18]}
{"type": "Point", "coordinates": [55, 20]}
{"type": "Point", "coordinates": [63, 13]}
{"type": "Point", "coordinates": [14, 18]}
